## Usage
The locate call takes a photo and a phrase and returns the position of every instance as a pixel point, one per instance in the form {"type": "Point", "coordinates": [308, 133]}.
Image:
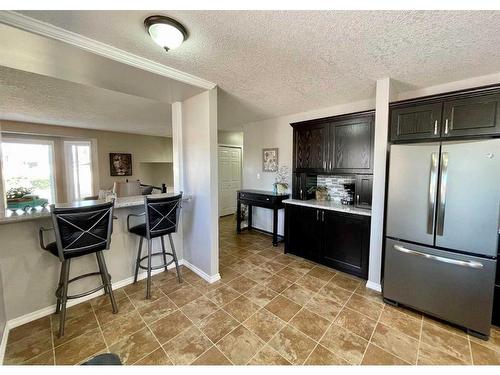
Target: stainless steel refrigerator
{"type": "Point", "coordinates": [442, 230]}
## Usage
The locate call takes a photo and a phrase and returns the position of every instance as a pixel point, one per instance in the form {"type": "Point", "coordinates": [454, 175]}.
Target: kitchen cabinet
{"type": "Point", "coordinates": [471, 116]}
{"type": "Point", "coordinates": [363, 191]}
{"type": "Point", "coordinates": [416, 122]}
{"type": "Point", "coordinates": [335, 239]}
{"type": "Point", "coordinates": [310, 147]}
{"type": "Point", "coordinates": [351, 145]}
{"type": "Point", "coordinates": [303, 232]}
{"type": "Point", "coordinates": [341, 144]}
{"type": "Point", "coordinates": [465, 114]}
{"type": "Point", "coordinates": [346, 242]}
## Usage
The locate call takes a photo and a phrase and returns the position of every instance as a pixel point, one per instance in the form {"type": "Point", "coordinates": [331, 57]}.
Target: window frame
{"type": "Point", "coordinates": [31, 140]}
{"type": "Point", "coordinates": [67, 143]}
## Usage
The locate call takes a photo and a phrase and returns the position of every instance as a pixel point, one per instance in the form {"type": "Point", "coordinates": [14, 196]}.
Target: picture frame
{"type": "Point", "coordinates": [270, 159]}
{"type": "Point", "coordinates": [120, 164]}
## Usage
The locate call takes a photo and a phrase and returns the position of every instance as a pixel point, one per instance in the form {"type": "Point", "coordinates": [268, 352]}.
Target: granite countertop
{"type": "Point", "coordinates": [329, 205]}
{"type": "Point", "coordinates": [9, 216]}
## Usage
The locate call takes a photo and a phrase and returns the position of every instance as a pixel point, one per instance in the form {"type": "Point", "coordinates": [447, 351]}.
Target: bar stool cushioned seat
{"type": "Point", "coordinates": [161, 219]}
{"type": "Point", "coordinates": [81, 230]}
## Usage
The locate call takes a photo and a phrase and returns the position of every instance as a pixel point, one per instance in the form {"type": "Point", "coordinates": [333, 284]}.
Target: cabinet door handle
{"type": "Point", "coordinates": [435, 127]}
{"type": "Point", "coordinates": [323, 216]}
{"type": "Point", "coordinates": [446, 126]}
{"type": "Point", "coordinates": [301, 194]}
{"type": "Point", "coordinates": [324, 164]}
{"type": "Point", "coordinates": [357, 199]}
{"type": "Point", "coordinates": [330, 165]}
{"type": "Point", "coordinates": [317, 215]}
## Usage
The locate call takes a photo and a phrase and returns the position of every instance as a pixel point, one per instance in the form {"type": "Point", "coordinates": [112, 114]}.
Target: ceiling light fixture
{"type": "Point", "coordinates": [165, 31]}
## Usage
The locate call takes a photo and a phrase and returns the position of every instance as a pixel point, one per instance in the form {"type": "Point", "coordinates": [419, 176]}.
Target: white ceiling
{"type": "Point", "coordinates": [37, 98]}
{"type": "Point", "coordinates": [271, 63]}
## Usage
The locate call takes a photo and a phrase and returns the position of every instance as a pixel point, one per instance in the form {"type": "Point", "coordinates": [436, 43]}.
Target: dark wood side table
{"type": "Point", "coordinates": [264, 199]}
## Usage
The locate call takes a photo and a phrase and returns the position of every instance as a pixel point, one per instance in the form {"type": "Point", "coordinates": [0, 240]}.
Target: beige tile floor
{"type": "Point", "coordinates": [268, 308]}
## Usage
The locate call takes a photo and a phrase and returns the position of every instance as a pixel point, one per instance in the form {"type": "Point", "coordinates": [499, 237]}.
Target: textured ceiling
{"type": "Point", "coordinates": [40, 99]}
{"type": "Point", "coordinates": [271, 63]}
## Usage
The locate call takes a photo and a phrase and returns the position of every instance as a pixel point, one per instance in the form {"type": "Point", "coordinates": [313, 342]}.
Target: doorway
{"type": "Point", "coordinates": [229, 178]}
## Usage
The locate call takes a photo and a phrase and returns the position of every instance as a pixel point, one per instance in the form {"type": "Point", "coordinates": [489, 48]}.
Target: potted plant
{"type": "Point", "coordinates": [321, 192]}
{"type": "Point", "coordinates": [281, 182]}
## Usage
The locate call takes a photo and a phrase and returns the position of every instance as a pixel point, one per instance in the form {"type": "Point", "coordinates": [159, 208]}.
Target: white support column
{"type": "Point", "coordinates": [3, 202]}
{"type": "Point", "coordinates": [200, 170]}
{"type": "Point", "coordinates": [178, 170]}
{"type": "Point", "coordinates": [379, 176]}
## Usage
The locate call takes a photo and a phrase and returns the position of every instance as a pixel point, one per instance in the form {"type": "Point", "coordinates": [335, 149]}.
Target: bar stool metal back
{"type": "Point", "coordinates": [80, 231]}
{"type": "Point", "coordinates": [161, 219]}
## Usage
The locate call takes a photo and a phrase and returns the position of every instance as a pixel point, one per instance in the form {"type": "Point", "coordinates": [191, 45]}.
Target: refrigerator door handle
{"type": "Point", "coordinates": [462, 263]}
{"type": "Point", "coordinates": [432, 193]}
{"type": "Point", "coordinates": [442, 194]}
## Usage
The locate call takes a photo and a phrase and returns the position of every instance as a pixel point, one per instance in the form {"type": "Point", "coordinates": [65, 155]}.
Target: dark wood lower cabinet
{"type": "Point", "coordinates": [335, 239]}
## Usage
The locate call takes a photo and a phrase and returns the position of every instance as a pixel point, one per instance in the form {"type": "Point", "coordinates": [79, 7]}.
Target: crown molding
{"type": "Point", "coordinates": [32, 25]}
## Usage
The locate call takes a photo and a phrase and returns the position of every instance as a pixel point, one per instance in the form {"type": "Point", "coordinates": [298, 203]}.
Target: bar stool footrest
{"type": "Point", "coordinates": [74, 296]}
{"type": "Point", "coordinates": [158, 266]}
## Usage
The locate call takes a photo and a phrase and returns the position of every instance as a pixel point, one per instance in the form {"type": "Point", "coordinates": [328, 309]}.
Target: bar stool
{"type": "Point", "coordinates": [80, 231]}
{"type": "Point", "coordinates": [161, 218]}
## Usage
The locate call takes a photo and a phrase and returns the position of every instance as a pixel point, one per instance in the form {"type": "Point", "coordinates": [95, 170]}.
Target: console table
{"type": "Point", "coordinates": [264, 199]}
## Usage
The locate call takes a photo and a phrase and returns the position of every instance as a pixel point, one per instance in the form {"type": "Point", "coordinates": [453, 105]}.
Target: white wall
{"type": "Point", "coordinates": [198, 117]}
{"type": "Point", "coordinates": [230, 138]}
{"type": "Point", "coordinates": [277, 132]}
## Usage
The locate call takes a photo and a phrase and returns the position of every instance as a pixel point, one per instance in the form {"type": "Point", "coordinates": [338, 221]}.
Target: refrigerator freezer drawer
{"type": "Point", "coordinates": [454, 287]}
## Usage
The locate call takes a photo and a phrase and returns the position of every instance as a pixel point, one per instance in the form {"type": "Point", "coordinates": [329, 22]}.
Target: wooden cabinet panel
{"type": "Point", "coordinates": [351, 145]}
{"type": "Point", "coordinates": [337, 240]}
{"type": "Point", "coordinates": [310, 148]}
{"type": "Point", "coordinates": [472, 116]}
{"type": "Point", "coordinates": [416, 122]}
{"type": "Point", "coordinates": [303, 231]}
{"type": "Point", "coordinates": [363, 191]}
{"type": "Point", "coordinates": [346, 243]}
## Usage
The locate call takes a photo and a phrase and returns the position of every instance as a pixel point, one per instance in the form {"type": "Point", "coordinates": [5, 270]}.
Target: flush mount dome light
{"type": "Point", "coordinates": [165, 31]}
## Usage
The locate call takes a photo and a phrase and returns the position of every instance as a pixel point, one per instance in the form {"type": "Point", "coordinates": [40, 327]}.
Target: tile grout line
{"type": "Point", "coordinates": [419, 339]}
{"type": "Point", "coordinates": [331, 324]}
{"type": "Point", "coordinates": [100, 328]}
{"type": "Point", "coordinates": [371, 336]}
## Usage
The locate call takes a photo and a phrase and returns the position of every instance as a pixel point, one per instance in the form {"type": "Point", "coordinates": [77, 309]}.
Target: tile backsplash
{"type": "Point", "coordinates": [335, 185]}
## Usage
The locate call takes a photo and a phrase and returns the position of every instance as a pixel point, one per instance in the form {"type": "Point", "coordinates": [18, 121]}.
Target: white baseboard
{"type": "Point", "coordinates": [202, 274]}
{"type": "Point", "coordinates": [16, 322]}
{"type": "Point", "coordinates": [374, 286]}
{"type": "Point", "coordinates": [3, 343]}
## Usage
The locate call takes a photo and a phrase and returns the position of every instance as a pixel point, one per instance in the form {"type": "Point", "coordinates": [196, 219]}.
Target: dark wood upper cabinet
{"type": "Point", "coordinates": [351, 145]}
{"type": "Point", "coordinates": [363, 191]}
{"type": "Point", "coordinates": [472, 116]}
{"type": "Point", "coordinates": [342, 144]}
{"type": "Point", "coordinates": [453, 115]}
{"type": "Point", "coordinates": [416, 122]}
{"type": "Point", "coordinates": [310, 148]}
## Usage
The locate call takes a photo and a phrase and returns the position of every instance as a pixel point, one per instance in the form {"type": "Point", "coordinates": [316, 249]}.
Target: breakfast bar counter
{"type": "Point", "coordinates": [30, 274]}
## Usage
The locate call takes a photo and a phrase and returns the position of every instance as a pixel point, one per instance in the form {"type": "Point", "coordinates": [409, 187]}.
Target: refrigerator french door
{"type": "Point", "coordinates": [442, 229]}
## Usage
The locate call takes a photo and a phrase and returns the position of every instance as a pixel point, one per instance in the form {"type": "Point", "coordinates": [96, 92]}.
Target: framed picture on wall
{"type": "Point", "coordinates": [269, 160]}
{"type": "Point", "coordinates": [120, 164]}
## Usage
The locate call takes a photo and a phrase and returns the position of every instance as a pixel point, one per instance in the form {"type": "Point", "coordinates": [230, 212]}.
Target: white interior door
{"type": "Point", "coordinates": [229, 178]}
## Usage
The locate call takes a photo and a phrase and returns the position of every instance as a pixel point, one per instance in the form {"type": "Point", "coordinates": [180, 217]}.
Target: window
{"type": "Point", "coordinates": [79, 169]}
{"type": "Point", "coordinates": [28, 165]}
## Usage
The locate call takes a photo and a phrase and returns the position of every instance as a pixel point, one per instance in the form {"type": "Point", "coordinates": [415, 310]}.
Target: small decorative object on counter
{"type": "Point", "coordinates": [281, 184]}
{"type": "Point", "coordinates": [20, 198]}
{"type": "Point", "coordinates": [321, 192]}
